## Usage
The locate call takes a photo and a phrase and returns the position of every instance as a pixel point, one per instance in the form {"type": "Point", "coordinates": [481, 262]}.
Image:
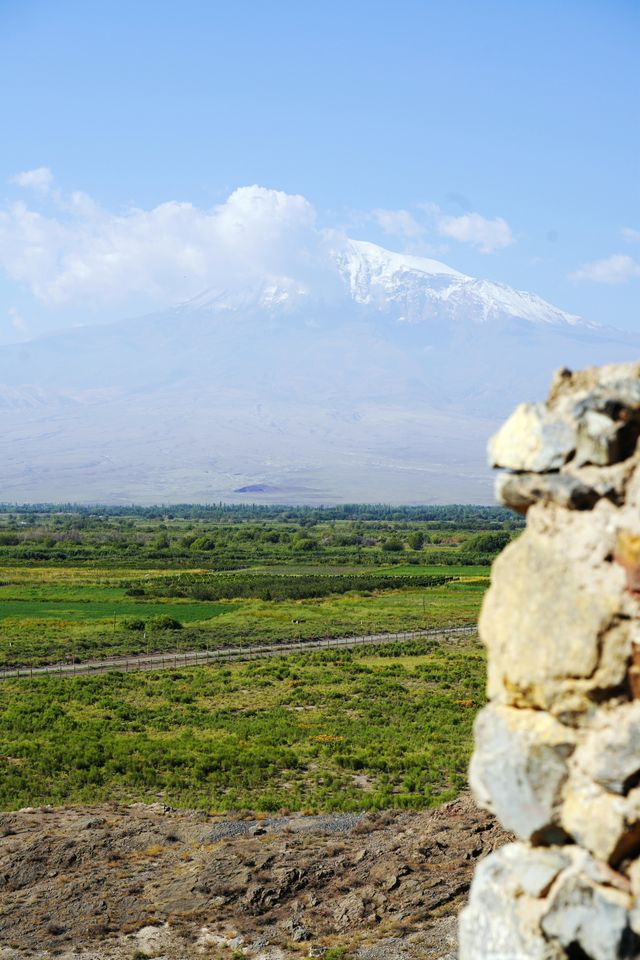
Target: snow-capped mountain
{"type": "Point", "coordinates": [376, 376]}
{"type": "Point", "coordinates": [417, 288]}
{"type": "Point", "coordinates": [427, 290]}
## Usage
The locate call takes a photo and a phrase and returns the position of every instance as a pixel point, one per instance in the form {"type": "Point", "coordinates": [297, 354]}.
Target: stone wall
{"type": "Point", "coordinates": [557, 749]}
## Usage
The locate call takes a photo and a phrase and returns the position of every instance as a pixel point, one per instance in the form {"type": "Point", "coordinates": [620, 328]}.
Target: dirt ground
{"type": "Point", "coordinates": [126, 882]}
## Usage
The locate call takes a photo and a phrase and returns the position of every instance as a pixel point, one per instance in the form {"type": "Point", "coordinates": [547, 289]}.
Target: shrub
{"type": "Point", "coordinates": [416, 540]}
{"type": "Point", "coordinates": [304, 543]}
{"type": "Point", "coordinates": [487, 542]}
{"type": "Point", "coordinates": [393, 545]}
{"type": "Point", "coordinates": [165, 622]}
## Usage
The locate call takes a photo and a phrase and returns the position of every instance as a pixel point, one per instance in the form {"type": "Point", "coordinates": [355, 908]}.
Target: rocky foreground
{"type": "Point", "coordinates": [127, 882]}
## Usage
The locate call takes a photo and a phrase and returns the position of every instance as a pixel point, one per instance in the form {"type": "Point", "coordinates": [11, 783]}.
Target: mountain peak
{"type": "Point", "coordinates": [374, 258]}
{"type": "Point", "coordinates": [429, 290]}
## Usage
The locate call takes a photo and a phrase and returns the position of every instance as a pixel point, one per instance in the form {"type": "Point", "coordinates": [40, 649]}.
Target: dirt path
{"type": "Point", "coordinates": [170, 661]}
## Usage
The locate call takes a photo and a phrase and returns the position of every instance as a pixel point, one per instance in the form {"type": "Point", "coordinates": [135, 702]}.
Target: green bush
{"type": "Point", "coordinates": [304, 543]}
{"type": "Point", "coordinates": [164, 622]}
{"type": "Point", "coordinates": [416, 540]}
{"type": "Point", "coordinates": [492, 542]}
{"type": "Point", "coordinates": [393, 545]}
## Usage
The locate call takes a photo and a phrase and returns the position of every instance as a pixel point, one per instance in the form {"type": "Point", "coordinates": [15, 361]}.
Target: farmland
{"type": "Point", "coordinates": [357, 729]}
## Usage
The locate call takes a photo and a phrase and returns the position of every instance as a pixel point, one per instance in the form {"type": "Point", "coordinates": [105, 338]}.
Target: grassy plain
{"type": "Point", "coordinates": [348, 730]}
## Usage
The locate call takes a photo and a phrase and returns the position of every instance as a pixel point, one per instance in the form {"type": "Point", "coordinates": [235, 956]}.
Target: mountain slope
{"type": "Point", "coordinates": [379, 380]}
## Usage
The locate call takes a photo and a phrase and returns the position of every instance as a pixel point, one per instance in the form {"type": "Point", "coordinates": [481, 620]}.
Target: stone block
{"type": "Point", "coordinates": [600, 440]}
{"type": "Point", "coordinates": [604, 823]}
{"type": "Point", "coordinates": [533, 440]}
{"type": "Point", "coordinates": [502, 918]}
{"type": "Point", "coordinates": [519, 491]}
{"type": "Point", "coordinates": [610, 751]}
{"type": "Point", "coordinates": [591, 916]}
{"type": "Point", "coordinates": [544, 618]}
{"type": "Point", "coordinates": [518, 769]}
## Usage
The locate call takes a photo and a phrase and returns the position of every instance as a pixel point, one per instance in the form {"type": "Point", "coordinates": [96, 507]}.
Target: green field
{"type": "Point", "coordinates": [44, 630]}
{"type": "Point", "coordinates": [103, 610]}
{"type": "Point", "coordinates": [432, 569]}
{"type": "Point", "coordinates": [77, 583]}
{"type": "Point", "coordinates": [346, 730]}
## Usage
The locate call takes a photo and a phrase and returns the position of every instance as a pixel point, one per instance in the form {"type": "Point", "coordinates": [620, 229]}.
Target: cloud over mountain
{"type": "Point", "coordinates": [75, 250]}
{"type": "Point", "coordinates": [72, 254]}
{"type": "Point", "coordinates": [487, 235]}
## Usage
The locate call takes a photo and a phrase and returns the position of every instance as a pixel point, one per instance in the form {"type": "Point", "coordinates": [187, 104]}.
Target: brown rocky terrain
{"type": "Point", "coordinates": [127, 882]}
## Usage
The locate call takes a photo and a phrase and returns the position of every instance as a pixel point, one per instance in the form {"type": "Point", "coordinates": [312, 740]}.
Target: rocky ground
{"type": "Point", "coordinates": [128, 882]}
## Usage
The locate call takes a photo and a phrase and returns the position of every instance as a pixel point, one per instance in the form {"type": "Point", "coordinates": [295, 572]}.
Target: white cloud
{"type": "Point", "coordinates": [40, 179]}
{"type": "Point", "coordinates": [398, 223]}
{"type": "Point", "coordinates": [169, 253]}
{"type": "Point", "coordinates": [619, 268]}
{"type": "Point", "coordinates": [71, 253]}
{"type": "Point", "coordinates": [487, 235]}
{"type": "Point", "coordinates": [414, 230]}
{"type": "Point", "coordinates": [18, 322]}
{"type": "Point", "coordinates": [631, 234]}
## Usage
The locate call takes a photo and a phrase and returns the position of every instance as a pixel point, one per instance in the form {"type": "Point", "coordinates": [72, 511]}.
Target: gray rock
{"type": "Point", "coordinates": [600, 440]}
{"type": "Point", "coordinates": [610, 753]}
{"type": "Point", "coordinates": [348, 910]}
{"type": "Point", "coordinates": [297, 930]}
{"type": "Point", "coordinates": [549, 613]}
{"type": "Point", "coordinates": [391, 948]}
{"type": "Point", "coordinates": [518, 769]}
{"type": "Point", "coordinates": [501, 920]}
{"type": "Point", "coordinates": [610, 396]}
{"type": "Point", "coordinates": [610, 482]}
{"type": "Point", "coordinates": [604, 823]}
{"type": "Point", "coordinates": [589, 915]}
{"type": "Point", "coordinates": [533, 440]}
{"type": "Point", "coordinates": [519, 491]}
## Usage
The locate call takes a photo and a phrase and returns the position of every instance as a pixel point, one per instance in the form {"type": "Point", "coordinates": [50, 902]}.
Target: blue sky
{"type": "Point", "coordinates": [501, 137]}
